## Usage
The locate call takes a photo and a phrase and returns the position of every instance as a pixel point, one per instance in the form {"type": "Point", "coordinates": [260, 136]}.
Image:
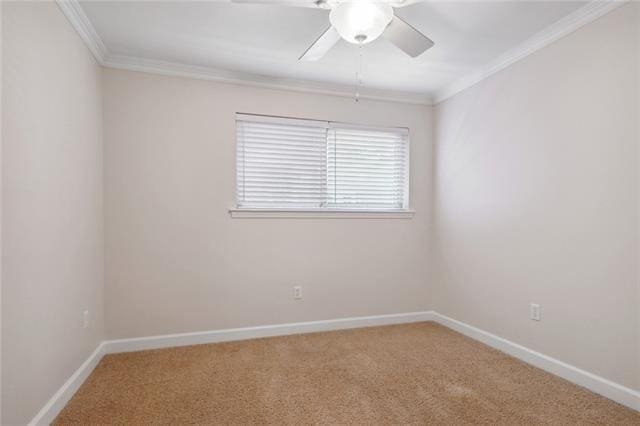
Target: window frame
{"type": "Point", "coordinates": [404, 212]}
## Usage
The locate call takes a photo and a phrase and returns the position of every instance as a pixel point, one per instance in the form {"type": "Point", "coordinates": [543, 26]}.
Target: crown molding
{"type": "Point", "coordinates": [565, 26]}
{"type": "Point", "coordinates": [85, 29]}
{"type": "Point", "coordinates": [130, 63]}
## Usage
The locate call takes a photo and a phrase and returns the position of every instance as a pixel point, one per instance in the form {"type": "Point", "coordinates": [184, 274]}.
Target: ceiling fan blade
{"type": "Point", "coordinates": [321, 46]}
{"type": "Point", "coordinates": [407, 38]}
{"type": "Point", "coordinates": [296, 3]}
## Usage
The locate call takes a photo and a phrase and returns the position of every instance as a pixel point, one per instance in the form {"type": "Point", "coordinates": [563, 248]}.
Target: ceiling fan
{"type": "Point", "coordinates": [359, 22]}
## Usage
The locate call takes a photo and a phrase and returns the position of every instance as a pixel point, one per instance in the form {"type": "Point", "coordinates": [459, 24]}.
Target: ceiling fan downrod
{"type": "Point", "coordinates": [358, 84]}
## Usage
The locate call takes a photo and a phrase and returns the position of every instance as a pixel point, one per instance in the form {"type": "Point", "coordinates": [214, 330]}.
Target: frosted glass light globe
{"type": "Point", "coordinates": [360, 21]}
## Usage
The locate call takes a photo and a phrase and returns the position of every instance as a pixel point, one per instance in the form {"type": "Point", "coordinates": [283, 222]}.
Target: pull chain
{"type": "Point", "coordinates": [358, 84]}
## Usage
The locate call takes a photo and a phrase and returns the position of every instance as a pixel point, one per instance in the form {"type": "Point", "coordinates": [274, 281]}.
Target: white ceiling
{"type": "Point", "coordinates": [265, 40]}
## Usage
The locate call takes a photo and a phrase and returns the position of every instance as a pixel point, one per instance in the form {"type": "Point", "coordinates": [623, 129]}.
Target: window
{"type": "Point", "coordinates": [294, 164]}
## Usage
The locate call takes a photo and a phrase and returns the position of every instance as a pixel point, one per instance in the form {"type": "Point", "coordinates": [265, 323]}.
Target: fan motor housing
{"type": "Point", "coordinates": [360, 22]}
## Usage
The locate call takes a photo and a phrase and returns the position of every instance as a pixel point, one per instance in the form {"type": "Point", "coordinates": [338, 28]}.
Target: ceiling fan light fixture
{"type": "Point", "coordinates": [360, 22]}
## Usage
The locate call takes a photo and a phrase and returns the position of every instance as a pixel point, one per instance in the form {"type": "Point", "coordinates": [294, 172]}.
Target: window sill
{"type": "Point", "coordinates": [320, 214]}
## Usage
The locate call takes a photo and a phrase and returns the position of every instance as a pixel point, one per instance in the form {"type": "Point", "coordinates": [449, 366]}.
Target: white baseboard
{"type": "Point", "coordinates": [614, 391]}
{"type": "Point", "coordinates": [57, 402]}
{"type": "Point", "coordinates": [600, 385]}
{"type": "Point", "coordinates": [216, 336]}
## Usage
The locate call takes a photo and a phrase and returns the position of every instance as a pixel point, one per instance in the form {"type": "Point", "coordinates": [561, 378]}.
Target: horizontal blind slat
{"type": "Point", "coordinates": [280, 164]}
{"type": "Point", "coordinates": [292, 163]}
{"type": "Point", "coordinates": [355, 155]}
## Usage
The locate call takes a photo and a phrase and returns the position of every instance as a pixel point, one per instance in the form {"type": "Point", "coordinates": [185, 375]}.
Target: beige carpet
{"type": "Point", "coordinates": [405, 374]}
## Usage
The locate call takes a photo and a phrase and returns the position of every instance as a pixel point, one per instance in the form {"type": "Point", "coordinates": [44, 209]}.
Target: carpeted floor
{"type": "Point", "coordinates": [403, 374]}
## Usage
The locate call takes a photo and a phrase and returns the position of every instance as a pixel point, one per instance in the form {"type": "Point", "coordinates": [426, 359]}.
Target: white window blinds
{"type": "Point", "coordinates": [285, 163]}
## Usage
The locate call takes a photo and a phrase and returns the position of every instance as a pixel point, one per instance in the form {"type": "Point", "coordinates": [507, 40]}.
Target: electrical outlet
{"type": "Point", "coordinates": [85, 319]}
{"type": "Point", "coordinates": [297, 292]}
{"type": "Point", "coordinates": [534, 310]}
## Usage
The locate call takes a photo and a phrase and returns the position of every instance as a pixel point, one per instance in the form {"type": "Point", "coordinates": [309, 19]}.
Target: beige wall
{"type": "Point", "coordinates": [536, 200]}
{"type": "Point", "coordinates": [177, 262]}
{"type": "Point", "coordinates": [637, 14]}
{"type": "Point", "coordinates": [52, 206]}
{"type": "Point", "coordinates": [1, 8]}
